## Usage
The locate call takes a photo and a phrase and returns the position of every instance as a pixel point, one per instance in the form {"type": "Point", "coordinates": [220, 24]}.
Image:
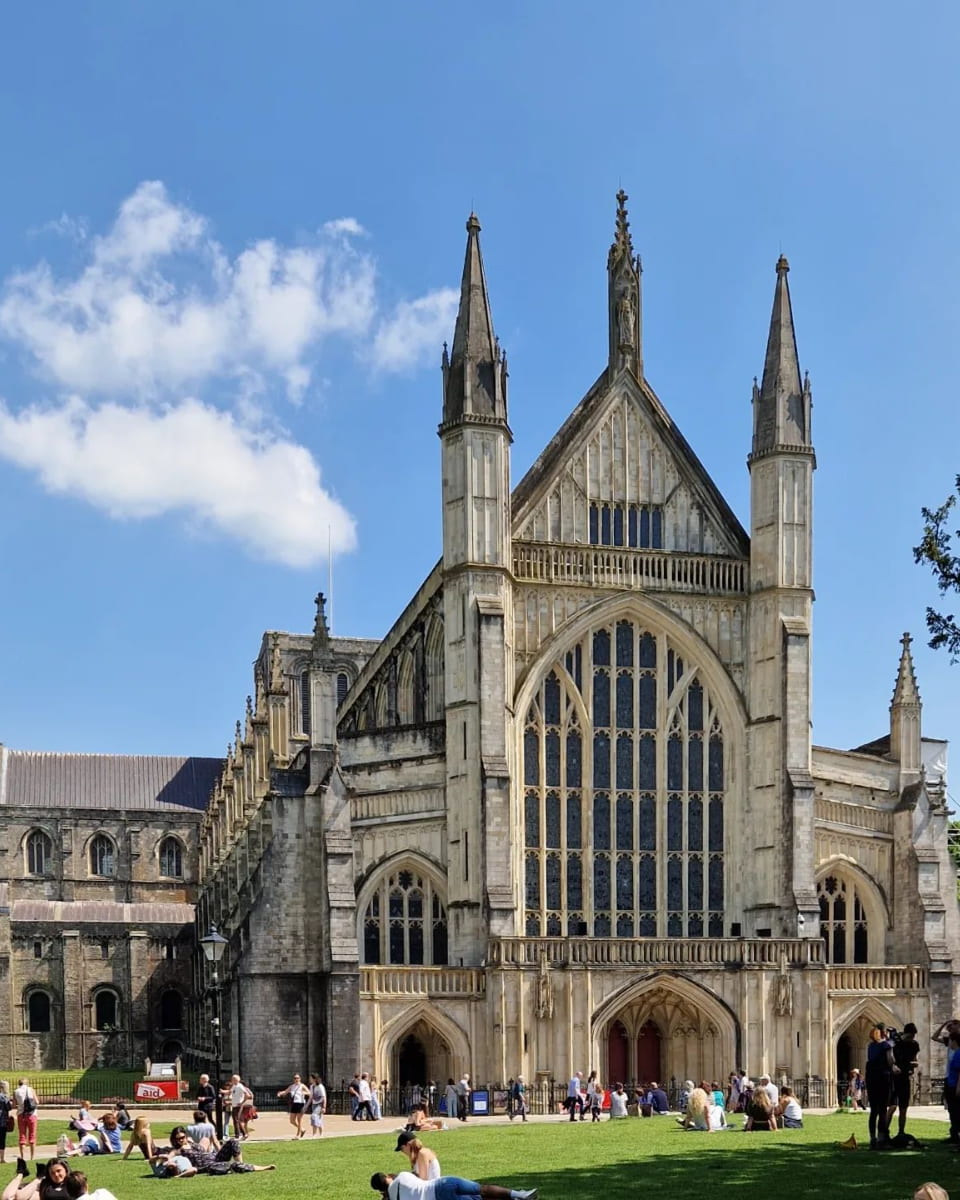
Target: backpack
{"type": "Point", "coordinates": [29, 1106]}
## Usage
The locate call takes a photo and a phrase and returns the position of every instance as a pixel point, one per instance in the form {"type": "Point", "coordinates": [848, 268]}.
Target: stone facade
{"type": "Point", "coordinates": [567, 814]}
{"type": "Point", "coordinates": [97, 888]}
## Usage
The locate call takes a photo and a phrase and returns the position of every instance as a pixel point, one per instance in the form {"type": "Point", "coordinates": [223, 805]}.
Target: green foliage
{"type": "Point", "coordinates": [616, 1160]}
{"type": "Point", "coordinates": [936, 550]}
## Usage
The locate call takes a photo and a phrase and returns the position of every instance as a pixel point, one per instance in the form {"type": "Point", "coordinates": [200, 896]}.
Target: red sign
{"type": "Point", "coordinates": [156, 1089]}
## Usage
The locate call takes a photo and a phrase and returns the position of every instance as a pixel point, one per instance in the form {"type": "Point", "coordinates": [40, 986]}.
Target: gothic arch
{"type": "Point", "coordinates": [699, 1033]}
{"type": "Point", "coordinates": [869, 1011]}
{"type": "Point", "coordinates": [644, 608]}
{"type": "Point", "coordinates": [402, 914]}
{"type": "Point", "coordinates": [428, 1014]}
{"type": "Point", "coordinates": [865, 891]}
{"type": "Point", "coordinates": [630, 740]}
{"type": "Point", "coordinates": [433, 668]}
{"type": "Point", "coordinates": [406, 693]}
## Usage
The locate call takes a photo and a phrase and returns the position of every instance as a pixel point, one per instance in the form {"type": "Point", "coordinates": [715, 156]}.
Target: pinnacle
{"type": "Point", "coordinates": [906, 690]}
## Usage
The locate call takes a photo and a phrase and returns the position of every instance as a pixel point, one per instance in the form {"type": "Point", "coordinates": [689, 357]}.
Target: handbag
{"type": "Point", "coordinates": [10, 1123]}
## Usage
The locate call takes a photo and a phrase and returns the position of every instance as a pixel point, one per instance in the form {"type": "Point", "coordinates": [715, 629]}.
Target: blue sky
{"type": "Point", "coordinates": [230, 234]}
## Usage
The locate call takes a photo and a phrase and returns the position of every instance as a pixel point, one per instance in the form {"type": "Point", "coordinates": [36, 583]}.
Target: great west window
{"type": "Point", "coordinates": [624, 793]}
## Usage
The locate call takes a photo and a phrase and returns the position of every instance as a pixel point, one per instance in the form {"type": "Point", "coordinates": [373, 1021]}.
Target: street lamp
{"type": "Point", "coordinates": [213, 947]}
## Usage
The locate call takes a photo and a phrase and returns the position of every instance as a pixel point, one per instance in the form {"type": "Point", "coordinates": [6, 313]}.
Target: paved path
{"type": "Point", "coordinates": [275, 1126]}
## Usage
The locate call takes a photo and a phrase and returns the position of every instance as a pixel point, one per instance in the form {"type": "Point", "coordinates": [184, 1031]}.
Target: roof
{"type": "Point", "coordinates": [126, 782]}
{"type": "Point", "coordinates": [100, 912]}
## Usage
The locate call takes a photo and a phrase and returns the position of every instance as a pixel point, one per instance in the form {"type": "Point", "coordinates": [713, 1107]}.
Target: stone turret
{"type": "Point", "coordinates": [781, 612]}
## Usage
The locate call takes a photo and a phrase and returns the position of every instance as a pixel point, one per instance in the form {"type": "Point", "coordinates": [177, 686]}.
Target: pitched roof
{"type": "Point", "coordinates": [126, 782]}
{"type": "Point", "coordinates": [100, 912]}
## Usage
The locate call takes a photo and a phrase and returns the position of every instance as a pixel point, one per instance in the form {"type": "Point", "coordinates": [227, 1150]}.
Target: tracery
{"type": "Point", "coordinates": [624, 793]}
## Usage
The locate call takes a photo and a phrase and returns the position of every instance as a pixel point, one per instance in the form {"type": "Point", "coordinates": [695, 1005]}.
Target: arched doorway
{"type": "Point", "coordinates": [666, 1028]}
{"type": "Point", "coordinates": [411, 1062]}
{"type": "Point", "coordinates": [854, 1038]}
{"type": "Point", "coordinates": [648, 1052]}
{"type": "Point", "coordinates": [618, 1051]}
{"type": "Point", "coordinates": [845, 1058]}
{"type": "Point", "coordinates": [421, 1054]}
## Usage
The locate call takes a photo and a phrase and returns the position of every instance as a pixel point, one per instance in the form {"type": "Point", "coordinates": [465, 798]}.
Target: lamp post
{"type": "Point", "coordinates": [213, 947]}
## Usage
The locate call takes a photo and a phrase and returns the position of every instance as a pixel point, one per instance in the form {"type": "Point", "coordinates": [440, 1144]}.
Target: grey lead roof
{"type": "Point", "coordinates": [100, 912]}
{"type": "Point", "coordinates": [105, 781]}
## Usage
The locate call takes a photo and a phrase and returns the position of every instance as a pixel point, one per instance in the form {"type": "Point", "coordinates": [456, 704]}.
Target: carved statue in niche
{"type": "Point", "coordinates": [544, 990]}
{"type": "Point", "coordinates": [627, 319]}
{"type": "Point", "coordinates": [783, 991]}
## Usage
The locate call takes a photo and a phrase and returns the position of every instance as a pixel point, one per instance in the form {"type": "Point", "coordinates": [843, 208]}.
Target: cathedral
{"type": "Point", "coordinates": [567, 813]}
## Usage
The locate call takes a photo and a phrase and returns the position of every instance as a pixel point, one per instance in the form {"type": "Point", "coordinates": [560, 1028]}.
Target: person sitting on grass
{"type": "Point", "coordinates": [202, 1129]}
{"type": "Point", "coordinates": [121, 1112]}
{"type": "Point", "coordinates": [423, 1162]}
{"type": "Point", "coordinates": [789, 1110]}
{"type": "Point", "coordinates": [141, 1139]}
{"type": "Point", "coordinates": [105, 1139]}
{"type": "Point", "coordinates": [419, 1122]}
{"type": "Point", "coordinates": [407, 1186]}
{"type": "Point", "coordinates": [48, 1185]}
{"type": "Point", "coordinates": [201, 1159]}
{"type": "Point", "coordinates": [760, 1114]}
{"type": "Point", "coordinates": [656, 1097]}
{"type": "Point", "coordinates": [618, 1103]}
{"type": "Point", "coordinates": [76, 1186]}
{"type": "Point", "coordinates": [696, 1114]}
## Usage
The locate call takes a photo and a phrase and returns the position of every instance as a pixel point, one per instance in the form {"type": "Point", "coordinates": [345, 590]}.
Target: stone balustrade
{"type": "Point", "coordinates": [616, 566]}
{"type": "Point", "coordinates": [422, 981]}
{"type": "Point", "coordinates": [877, 981]}
{"type": "Point", "coordinates": [859, 816]}
{"type": "Point", "coordinates": [720, 952]}
{"type": "Point", "coordinates": [376, 806]}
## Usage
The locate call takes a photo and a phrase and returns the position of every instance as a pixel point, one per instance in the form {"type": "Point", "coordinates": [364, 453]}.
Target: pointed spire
{"type": "Point", "coordinates": [781, 407]}
{"type": "Point", "coordinates": [321, 633]}
{"type": "Point", "coordinates": [472, 378]}
{"type": "Point", "coordinates": [906, 691]}
{"type": "Point", "coordinates": [906, 746]}
{"type": "Point", "coordinates": [624, 299]}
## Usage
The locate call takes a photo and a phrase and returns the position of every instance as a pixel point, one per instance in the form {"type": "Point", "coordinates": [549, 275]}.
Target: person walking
{"type": "Point", "coordinates": [318, 1105]}
{"type": "Point", "coordinates": [375, 1098]}
{"type": "Point", "coordinates": [463, 1097]}
{"type": "Point", "coordinates": [574, 1099]}
{"type": "Point", "coordinates": [26, 1103]}
{"type": "Point", "coordinates": [297, 1095]}
{"type": "Point", "coordinates": [363, 1112]}
{"type": "Point", "coordinates": [519, 1099]}
{"type": "Point", "coordinates": [206, 1100]}
{"type": "Point", "coordinates": [450, 1099]}
{"type": "Point", "coordinates": [240, 1099]}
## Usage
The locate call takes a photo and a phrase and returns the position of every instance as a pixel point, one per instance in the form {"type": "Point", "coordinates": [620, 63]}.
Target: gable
{"type": "Point", "coordinates": [620, 473]}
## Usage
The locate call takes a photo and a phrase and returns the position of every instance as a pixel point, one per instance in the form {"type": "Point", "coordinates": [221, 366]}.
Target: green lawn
{"type": "Point", "coordinates": [616, 1160]}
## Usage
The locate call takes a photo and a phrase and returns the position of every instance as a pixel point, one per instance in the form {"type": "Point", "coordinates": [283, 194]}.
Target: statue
{"type": "Point", "coordinates": [627, 321]}
{"type": "Point", "coordinates": [544, 990]}
{"type": "Point", "coordinates": [783, 991]}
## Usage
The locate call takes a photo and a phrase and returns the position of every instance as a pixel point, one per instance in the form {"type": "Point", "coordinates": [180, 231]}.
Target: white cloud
{"type": "Point", "coordinates": [136, 463]}
{"type": "Point", "coordinates": [412, 335]}
{"type": "Point", "coordinates": [160, 306]}
{"type": "Point", "coordinates": [159, 311]}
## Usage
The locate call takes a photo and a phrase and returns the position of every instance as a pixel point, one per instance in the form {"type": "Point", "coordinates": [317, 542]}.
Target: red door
{"type": "Point", "coordinates": [617, 1055]}
{"type": "Point", "coordinates": [648, 1054]}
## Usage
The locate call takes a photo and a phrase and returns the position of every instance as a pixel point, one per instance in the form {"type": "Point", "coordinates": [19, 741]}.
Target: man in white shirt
{"type": "Point", "coordinates": [574, 1098]}
{"type": "Point", "coordinates": [463, 1096]}
{"type": "Point", "coordinates": [407, 1186]}
{"type": "Point", "coordinates": [363, 1110]}
{"type": "Point", "coordinates": [771, 1089]}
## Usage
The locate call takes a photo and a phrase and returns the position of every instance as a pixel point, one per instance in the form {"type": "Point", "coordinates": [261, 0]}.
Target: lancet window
{"type": "Point", "coordinates": [639, 525]}
{"type": "Point", "coordinates": [624, 793]}
{"type": "Point", "coordinates": [843, 920]}
{"type": "Point", "coordinates": [405, 922]}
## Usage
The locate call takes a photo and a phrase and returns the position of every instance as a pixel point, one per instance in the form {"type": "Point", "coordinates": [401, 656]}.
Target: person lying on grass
{"type": "Point", "coordinates": [407, 1186]}
{"type": "Point", "coordinates": [201, 1158]}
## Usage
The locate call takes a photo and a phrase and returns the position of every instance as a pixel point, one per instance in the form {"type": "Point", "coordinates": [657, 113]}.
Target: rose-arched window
{"type": "Point", "coordinates": [103, 856]}
{"type": "Point", "coordinates": [624, 793]}
{"type": "Point", "coordinates": [171, 858]}
{"type": "Point", "coordinates": [843, 920]}
{"type": "Point", "coordinates": [405, 921]}
{"type": "Point", "coordinates": [39, 853]}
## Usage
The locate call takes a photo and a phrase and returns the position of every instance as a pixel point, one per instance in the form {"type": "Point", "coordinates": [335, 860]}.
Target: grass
{"type": "Point", "coordinates": [615, 1160]}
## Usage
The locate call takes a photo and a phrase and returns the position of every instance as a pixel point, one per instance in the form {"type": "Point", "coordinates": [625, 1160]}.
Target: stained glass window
{"type": "Point", "coordinates": [843, 920]}
{"type": "Point", "coordinates": [415, 929]}
{"type": "Point", "coordinates": [664, 821]}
